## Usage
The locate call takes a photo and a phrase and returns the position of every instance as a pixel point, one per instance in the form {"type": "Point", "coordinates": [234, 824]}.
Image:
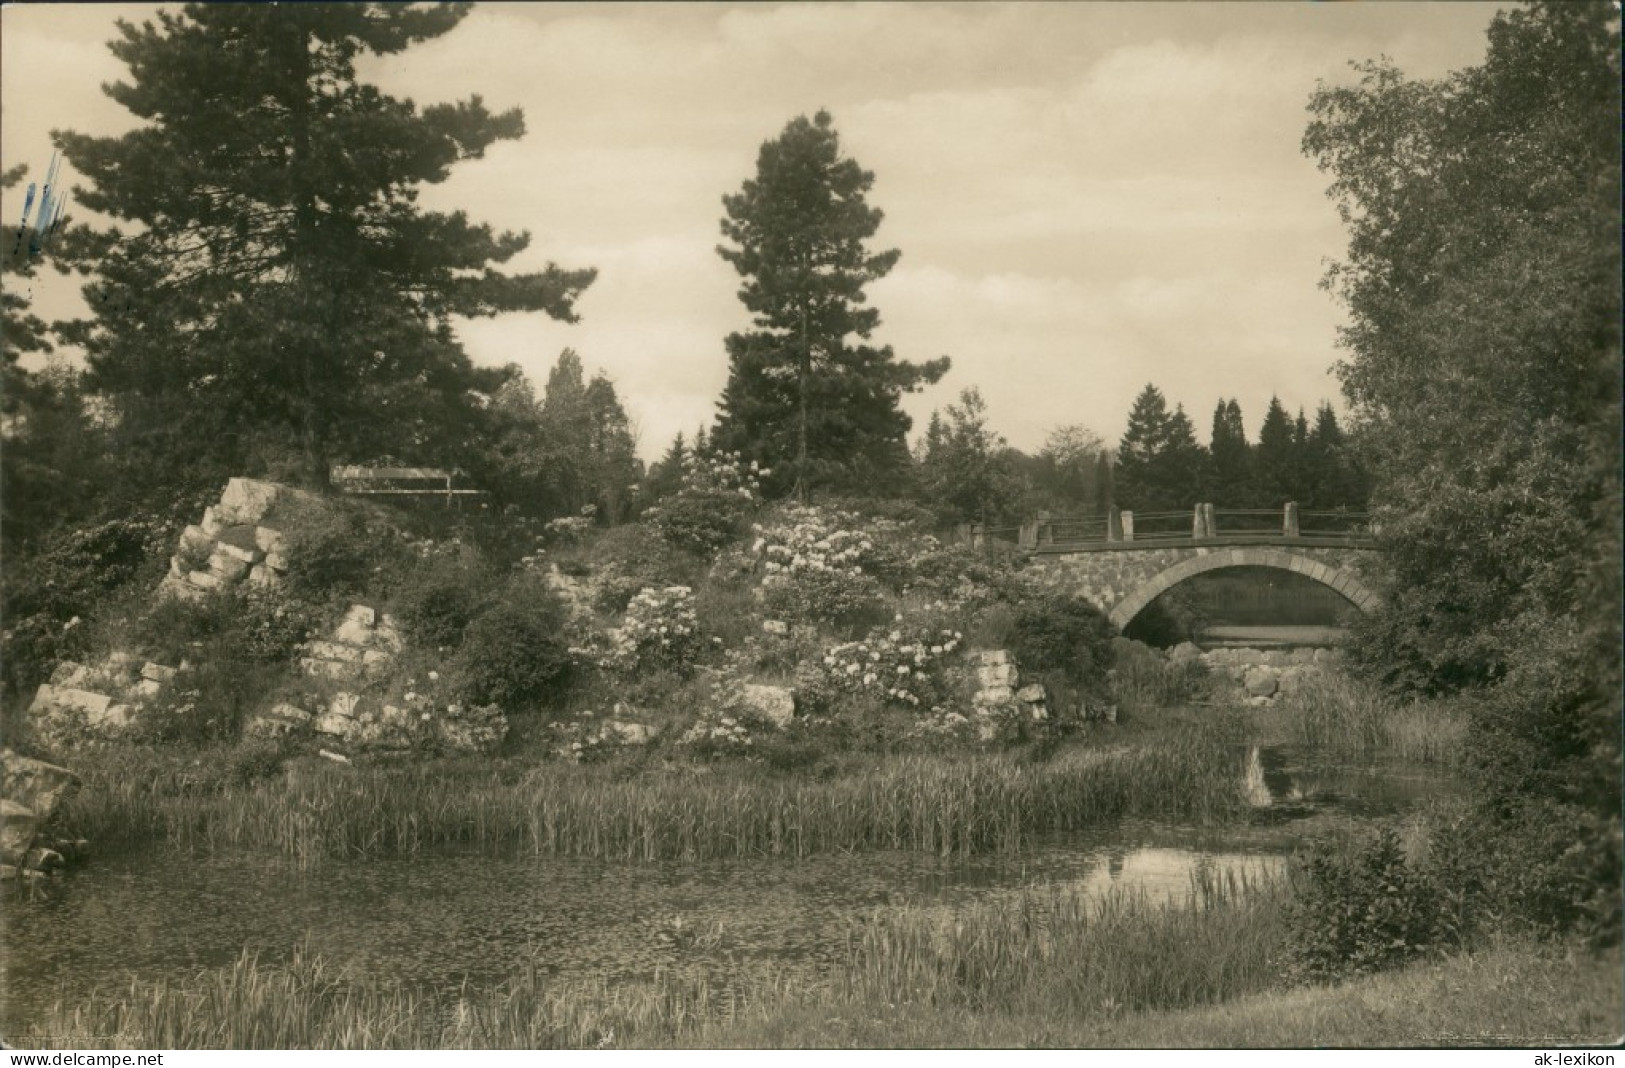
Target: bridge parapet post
{"type": "Point", "coordinates": [1289, 519]}
{"type": "Point", "coordinates": [1027, 537]}
{"type": "Point", "coordinates": [1114, 525]}
{"type": "Point", "coordinates": [1210, 521]}
{"type": "Point", "coordinates": [1128, 525]}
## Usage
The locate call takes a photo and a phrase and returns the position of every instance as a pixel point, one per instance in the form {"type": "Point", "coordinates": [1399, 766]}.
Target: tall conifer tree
{"type": "Point", "coordinates": [805, 394]}
{"type": "Point", "coordinates": [280, 280]}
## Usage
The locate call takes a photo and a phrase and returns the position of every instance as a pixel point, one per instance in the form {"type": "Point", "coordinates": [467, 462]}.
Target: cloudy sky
{"type": "Point", "coordinates": [1087, 196]}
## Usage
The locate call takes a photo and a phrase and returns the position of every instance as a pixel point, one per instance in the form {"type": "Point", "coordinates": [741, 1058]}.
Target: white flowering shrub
{"type": "Point", "coordinates": [808, 539]}
{"type": "Point", "coordinates": [586, 736]}
{"type": "Point", "coordinates": [813, 567]}
{"type": "Point", "coordinates": [709, 511]}
{"type": "Point", "coordinates": [901, 665]}
{"type": "Point", "coordinates": [719, 730]}
{"type": "Point", "coordinates": [661, 629]}
{"type": "Point", "coordinates": [571, 528]}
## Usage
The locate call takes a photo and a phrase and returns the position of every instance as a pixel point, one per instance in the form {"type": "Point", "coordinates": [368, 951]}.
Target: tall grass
{"type": "Point", "coordinates": [1334, 711]}
{"type": "Point", "coordinates": [989, 803]}
{"type": "Point", "coordinates": [1048, 950]}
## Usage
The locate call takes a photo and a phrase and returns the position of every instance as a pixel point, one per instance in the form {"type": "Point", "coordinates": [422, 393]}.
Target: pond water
{"type": "Point", "coordinates": [443, 919]}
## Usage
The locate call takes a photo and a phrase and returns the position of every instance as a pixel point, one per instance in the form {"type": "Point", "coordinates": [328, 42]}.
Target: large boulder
{"type": "Point", "coordinates": [35, 784]}
{"type": "Point", "coordinates": [772, 704]}
{"type": "Point", "coordinates": [246, 501]}
{"type": "Point", "coordinates": [31, 790]}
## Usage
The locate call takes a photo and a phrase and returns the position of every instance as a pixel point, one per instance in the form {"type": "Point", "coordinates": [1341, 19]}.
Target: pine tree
{"type": "Point", "coordinates": [280, 288]}
{"type": "Point", "coordinates": [666, 476]}
{"type": "Point", "coordinates": [611, 450]}
{"type": "Point", "coordinates": [1160, 466]}
{"type": "Point", "coordinates": [1180, 472]}
{"type": "Point", "coordinates": [1275, 462]}
{"type": "Point", "coordinates": [1232, 458]}
{"type": "Point", "coordinates": [800, 396]}
{"type": "Point", "coordinates": [1143, 441]}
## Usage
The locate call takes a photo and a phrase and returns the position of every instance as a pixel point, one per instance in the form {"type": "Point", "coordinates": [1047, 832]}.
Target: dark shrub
{"type": "Point", "coordinates": [333, 551]}
{"type": "Point", "coordinates": [634, 557]}
{"type": "Point", "coordinates": [208, 703]}
{"type": "Point", "coordinates": [1539, 866]}
{"type": "Point", "coordinates": [437, 598]}
{"type": "Point", "coordinates": [514, 654]}
{"type": "Point", "coordinates": [1065, 635]}
{"type": "Point", "coordinates": [701, 522]}
{"type": "Point", "coordinates": [848, 601]}
{"type": "Point", "coordinates": [1358, 906]}
{"type": "Point", "coordinates": [71, 576]}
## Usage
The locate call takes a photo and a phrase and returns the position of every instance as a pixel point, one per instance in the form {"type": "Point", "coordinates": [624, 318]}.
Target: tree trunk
{"type": "Point", "coordinates": [802, 382]}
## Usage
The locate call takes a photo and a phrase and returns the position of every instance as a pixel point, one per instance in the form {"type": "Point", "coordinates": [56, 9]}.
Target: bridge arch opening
{"type": "Point", "coordinates": [1237, 591]}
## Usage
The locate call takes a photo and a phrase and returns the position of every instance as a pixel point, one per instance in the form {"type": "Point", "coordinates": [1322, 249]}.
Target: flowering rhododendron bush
{"type": "Point", "coordinates": [901, 665]}
{"type": "Point", "coordinates": [813, 567]}
{"type": "Point", "coordinates": [661, 629]}
{"type": "Point", "coordinates": [709, 511]}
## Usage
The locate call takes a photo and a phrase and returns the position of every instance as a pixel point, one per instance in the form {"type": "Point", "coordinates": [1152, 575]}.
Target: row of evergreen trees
{"type": "Point", "coordinates": [1161, 466]}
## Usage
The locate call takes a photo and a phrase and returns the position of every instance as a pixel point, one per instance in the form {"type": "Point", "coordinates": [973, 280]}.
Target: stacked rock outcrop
{"type": "Point", "coordinates": [29, 797]}
{"type": "Point", "coordinates": [84, 703]}
{"type": "Point", "coordinates": [1002, 698]}
{"type": "Point", "coordinates": [239, 539]}
{"type": "Point", "coordinates": [357, 657]}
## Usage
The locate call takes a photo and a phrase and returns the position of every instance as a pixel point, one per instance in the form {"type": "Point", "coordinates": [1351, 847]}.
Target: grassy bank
{"type": "Point", "coordinates": [944, 804]}
{"type": "Point", "coordinates": [1047, 969]}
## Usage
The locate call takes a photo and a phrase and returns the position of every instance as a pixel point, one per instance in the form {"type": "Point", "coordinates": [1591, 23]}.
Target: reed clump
{"type": "Point", "coordinates": [985, 803]}
{"type": "Point", "coordinates": [1334, 711]}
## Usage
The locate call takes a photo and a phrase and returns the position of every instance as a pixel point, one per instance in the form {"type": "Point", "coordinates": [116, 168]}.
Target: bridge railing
{"type": "Point", "coordinates": [1202, 524]}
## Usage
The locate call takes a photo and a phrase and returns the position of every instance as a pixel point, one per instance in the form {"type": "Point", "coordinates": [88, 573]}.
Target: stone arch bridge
{"type": "Point", "coordinates": [1123, 580]}
{"type": "Point", "coordinates": [1122, 575]}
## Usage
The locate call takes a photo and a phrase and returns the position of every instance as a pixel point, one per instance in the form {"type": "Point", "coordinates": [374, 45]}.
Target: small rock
{"type": "Point", "coordinates": [204, 580]}
{"type": "Point", "coordinates": [362, 614]}
{"type": "Point", "coordinates": [1184, 651]}
{"type": "Point", "coordinates": [337, 758]}
{"type": "Point", "coordinates": [1032, 693]}
{"type": "Point", "coordinates": [41, 858]}
{"type": "Point", "coordinates": [349, 654]}
{"type": "Point", "coordinates": [775, 626]}
{"type": "Point", "coordinates": [18, 824]}
{"type": "Point", "coordinates": [228, 567]}
{"type": "Point", "coordinates": [261, 575]}
{"type": "Point", "coordinates": [267, 540]}
{"type": "Point", "coordinates": [238, 552]}
{"type": "Point", "coordinates": [157, 672]}
{"type": "Point", "coordinates": [629, 733]}
{"type": "Point", "coordinates": [69, 674]}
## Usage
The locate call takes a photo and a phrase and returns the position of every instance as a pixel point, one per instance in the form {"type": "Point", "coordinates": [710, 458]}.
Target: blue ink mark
{"type": "Point", "coordinates": [48, 218]}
